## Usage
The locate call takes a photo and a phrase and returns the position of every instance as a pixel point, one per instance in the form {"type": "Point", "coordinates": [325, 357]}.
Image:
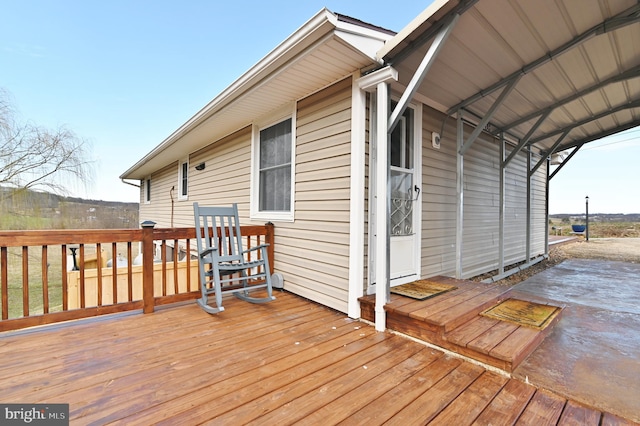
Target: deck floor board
{"type": "Point", "coordinates": [287, 361]}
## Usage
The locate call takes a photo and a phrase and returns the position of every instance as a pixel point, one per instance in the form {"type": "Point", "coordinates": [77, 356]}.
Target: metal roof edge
{"type": "Point", "coordinates": [415, 24]}
{"type": "Point", "coordinates": [314, 29]}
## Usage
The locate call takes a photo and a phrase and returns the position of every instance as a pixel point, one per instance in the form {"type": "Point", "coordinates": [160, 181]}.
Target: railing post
{"type": "Point", "coordinates": [271, 241]}
{"type": "Point", "coordinates": [147, 266]}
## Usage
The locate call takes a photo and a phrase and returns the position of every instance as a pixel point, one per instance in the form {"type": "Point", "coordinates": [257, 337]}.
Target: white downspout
{"type": "Point", "coordinates": [357, 205]}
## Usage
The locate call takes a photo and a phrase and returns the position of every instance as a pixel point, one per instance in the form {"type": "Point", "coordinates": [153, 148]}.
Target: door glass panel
{"type": "Point", "coordinates": [401, 187]}
{"type": "Point", "coordinates": [401, 176]}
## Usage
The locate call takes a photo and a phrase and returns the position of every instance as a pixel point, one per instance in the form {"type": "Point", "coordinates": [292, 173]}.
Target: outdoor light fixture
{"type": "Point", "coordinates": [200, 166]}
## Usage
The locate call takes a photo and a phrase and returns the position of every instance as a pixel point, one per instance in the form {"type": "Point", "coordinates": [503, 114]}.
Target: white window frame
{"type": "Point", "coordinates": [181, 163]}
{"type": "Point", "coordinates": [146, 187]}
{"type": "Point", "coordinates": [283, 114]}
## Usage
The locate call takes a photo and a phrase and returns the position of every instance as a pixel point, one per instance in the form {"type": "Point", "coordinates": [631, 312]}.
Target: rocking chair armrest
{"type": "Point", "coordinates": [261, 246]}
{"type": "Point", "coordinates": [207, 252]}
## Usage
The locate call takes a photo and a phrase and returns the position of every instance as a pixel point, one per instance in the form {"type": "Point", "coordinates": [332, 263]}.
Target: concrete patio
{"type": "Point", "coordinates": [593, 353]}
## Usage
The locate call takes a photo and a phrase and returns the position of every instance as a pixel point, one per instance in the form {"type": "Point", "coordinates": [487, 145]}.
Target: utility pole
{"type": "Point", "coordinates": [587, 209]}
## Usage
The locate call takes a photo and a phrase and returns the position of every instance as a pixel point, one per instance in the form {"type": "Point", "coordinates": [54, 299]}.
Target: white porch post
{"type": "Point", "coordinates": [378, 81]}
{"type": "Point", "coordinates": [382, 206]}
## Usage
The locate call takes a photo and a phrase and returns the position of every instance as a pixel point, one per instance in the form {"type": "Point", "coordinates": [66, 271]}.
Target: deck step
{"type": "Point", "coordinates": [452, 321]}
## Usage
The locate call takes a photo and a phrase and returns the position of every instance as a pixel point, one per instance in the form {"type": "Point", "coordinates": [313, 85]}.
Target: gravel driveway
{"type": "Point", "coordinates": [620, 249]}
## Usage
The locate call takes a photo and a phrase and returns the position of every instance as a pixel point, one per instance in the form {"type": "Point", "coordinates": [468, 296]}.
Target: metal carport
{"type": "Point", "coordinates": [546, 74]}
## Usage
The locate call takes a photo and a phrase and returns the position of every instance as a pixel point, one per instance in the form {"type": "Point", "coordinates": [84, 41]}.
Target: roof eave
{"type": "Point", "coordinates": [314, 29]}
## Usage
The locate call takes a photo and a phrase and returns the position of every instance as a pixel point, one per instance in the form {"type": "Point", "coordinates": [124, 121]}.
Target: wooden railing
{"type": "Point", "coordinates": [60, 275]}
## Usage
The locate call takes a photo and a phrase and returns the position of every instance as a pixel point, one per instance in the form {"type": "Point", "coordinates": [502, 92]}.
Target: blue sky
{"type": "Point", "coordinates": [126, 74]}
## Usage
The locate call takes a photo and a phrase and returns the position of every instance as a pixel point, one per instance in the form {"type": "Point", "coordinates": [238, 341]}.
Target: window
{"type": "Point", "coordinates": [273, 171]}
{"type": "Point", "coordinates": [183, 180]}
{"type": "Point", "coordinates": [147, 190]}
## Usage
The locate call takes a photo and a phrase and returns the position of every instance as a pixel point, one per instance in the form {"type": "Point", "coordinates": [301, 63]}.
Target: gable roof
{"type": "Point", "coordinates": [573, 66]}
{"type": "Point", "coordinates": [324, 50]}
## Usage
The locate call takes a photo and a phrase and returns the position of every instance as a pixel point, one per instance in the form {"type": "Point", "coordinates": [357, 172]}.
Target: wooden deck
{"type": "Point", "coordinates": [452, 321]}
{"type": "Point", "coordinates": [289, 361]}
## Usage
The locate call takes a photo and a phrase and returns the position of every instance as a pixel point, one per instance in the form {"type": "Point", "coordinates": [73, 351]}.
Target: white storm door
{"type": "Point", "coordinates": [404, 191]}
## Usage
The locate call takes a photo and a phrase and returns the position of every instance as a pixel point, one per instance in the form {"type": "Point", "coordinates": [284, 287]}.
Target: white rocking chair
{"type": "Point", "coordinates": [223, 265]}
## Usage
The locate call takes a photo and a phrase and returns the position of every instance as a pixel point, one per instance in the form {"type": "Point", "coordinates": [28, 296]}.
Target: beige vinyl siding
{"type": "Point", "coordinates": [439, 197]}
{"type": "Point", "coordinates": [159, 209]}
{"type": "Point", "coordinates": [481, 225]}
{"type": "Point", "coordinates": [313, 252]}
{"type": "Point", "coordinates": [538, 207]}
{"type": "Point", "coordinates": [224, 180]}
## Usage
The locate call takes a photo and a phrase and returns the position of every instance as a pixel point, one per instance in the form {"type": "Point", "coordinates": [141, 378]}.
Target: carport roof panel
{"type": "Point", "coordinates": [495, 40]}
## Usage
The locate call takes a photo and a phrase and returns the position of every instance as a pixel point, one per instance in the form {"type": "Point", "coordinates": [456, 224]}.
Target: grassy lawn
{"type": "Point", "coordinates": [35, 274]}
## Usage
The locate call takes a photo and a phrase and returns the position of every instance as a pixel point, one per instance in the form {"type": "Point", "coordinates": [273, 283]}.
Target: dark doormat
{"type": "Point", "coordinates": [422, 289]}
{"type": "Point", "coordinates": [523, 312]}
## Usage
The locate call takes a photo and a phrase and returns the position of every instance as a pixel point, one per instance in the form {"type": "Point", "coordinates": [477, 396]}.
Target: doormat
{"type": "Point", "coordinates": [522, 312]}
{"type": "Point", "coordinates": [422, 289]}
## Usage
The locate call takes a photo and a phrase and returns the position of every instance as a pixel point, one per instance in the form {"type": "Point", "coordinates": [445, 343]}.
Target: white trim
{"type": "Point", "coordinates": [181, 163]}
{"type": "Point", "coordinates": [357, 196]}
{"type": "Point", "coordinates": [146, 192]}
{"type": "Point", "coordinates": [417, 219]}
{"type": "Point", "coordinates": [285, 113]}
{"type": "Point", "coordinates": [382, 205]}
{"type": "Point", "coordinates": [411, 27]}
{"type": "Point", "coordinates": [370, 81]}
{"type": "Point", "coordinates": [417, 163]}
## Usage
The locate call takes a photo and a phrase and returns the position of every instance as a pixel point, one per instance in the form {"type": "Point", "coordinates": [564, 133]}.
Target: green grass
{"type": "Point", "coordinates": [54, 273]}
{"type": "Point", "coordinates": [15, 281]}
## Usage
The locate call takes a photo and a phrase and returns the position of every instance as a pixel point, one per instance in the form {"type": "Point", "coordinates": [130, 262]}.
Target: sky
{"type": "Point", "coordinates": [125, 74]}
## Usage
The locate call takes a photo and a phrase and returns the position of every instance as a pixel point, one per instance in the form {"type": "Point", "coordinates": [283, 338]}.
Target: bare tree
{"type": "Point", "coordinates": [37, 158]}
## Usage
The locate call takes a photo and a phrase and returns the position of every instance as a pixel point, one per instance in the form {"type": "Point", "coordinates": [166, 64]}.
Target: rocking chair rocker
{"type": "Point", "coordinates": [223, 265]}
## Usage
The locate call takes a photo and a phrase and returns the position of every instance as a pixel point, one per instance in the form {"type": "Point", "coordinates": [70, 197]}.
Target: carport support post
{"type": "Point", "coordinates": [528, 248]}
{"type": "Point", "coordinates": [502, 207]}
{"type": "Point", "coordinates": [460, 191]}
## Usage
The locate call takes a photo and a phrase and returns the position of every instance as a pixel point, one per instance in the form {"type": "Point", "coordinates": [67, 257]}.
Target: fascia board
{"type": "Point", "coordinates": [414, 25]}
{"type": "Point", "coordinates": [364, 40]}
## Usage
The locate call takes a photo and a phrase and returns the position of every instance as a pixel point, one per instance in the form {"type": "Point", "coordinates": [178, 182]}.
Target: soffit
{"type": "Point", "coordinates": [313, 66]}
{"type": "Point", "coordinates": [496, 39]}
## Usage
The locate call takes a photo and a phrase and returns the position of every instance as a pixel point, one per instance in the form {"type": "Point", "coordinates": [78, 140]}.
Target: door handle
{"type": "Point", "coordinates": [417, 190]}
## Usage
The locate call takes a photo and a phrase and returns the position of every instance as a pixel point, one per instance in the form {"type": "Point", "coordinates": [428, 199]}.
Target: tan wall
{"type": "Point", "coordinates": [224, 180]}
{"type": "Point", "coordinates": [439, 197]}
{"type": "Point", "coordinates": [159, 209]}
{"type": "Point", "coordinates": [480, 248]}
{"type": "Point", "coordinates": [312, 253]}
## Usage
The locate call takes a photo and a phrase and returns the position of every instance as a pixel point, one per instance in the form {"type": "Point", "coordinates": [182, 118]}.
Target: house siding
{"type": "Point", "coordinates": [224, 180]}
{"type": "Point", "coordinates": [158, 209]}
{"type": "Point", "coordinates": [481, 232]}
{"type": "Point", "coordinates": [313, 252]}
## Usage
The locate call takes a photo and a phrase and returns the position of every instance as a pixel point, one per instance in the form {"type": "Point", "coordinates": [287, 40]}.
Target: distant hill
{"type": "Point", "coordinates": [41, 210]}
{"type": "Point", "coordinates": [599, 217]}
